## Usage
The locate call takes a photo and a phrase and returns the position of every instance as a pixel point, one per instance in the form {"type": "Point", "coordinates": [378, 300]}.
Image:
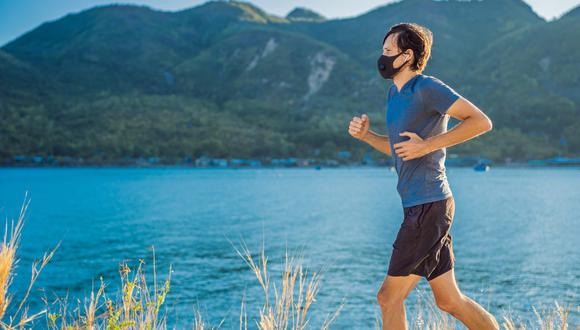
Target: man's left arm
{"type": "Point", "coordinates": [473, 123]}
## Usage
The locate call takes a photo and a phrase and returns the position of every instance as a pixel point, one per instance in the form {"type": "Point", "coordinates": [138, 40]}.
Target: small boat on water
{"type": "Point", "coordinates": [482, 167]}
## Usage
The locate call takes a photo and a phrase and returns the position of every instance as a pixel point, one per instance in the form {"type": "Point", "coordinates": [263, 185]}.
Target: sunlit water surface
{"type": "Point", "coordinates": [516, 235]}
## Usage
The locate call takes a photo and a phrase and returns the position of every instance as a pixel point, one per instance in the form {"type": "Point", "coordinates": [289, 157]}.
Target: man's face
{"type": "Point", "coordinates": [390, 48]}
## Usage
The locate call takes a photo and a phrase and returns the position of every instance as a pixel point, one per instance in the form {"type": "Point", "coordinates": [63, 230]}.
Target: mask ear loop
{"type": "Point", "coordinates": [402, 65]}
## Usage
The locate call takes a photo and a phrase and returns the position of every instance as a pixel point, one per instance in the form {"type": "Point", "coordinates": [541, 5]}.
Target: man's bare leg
{"type": "Point", "coordinates": [391, 298]}
{"type": "Point", "coordinates": [451, 300]}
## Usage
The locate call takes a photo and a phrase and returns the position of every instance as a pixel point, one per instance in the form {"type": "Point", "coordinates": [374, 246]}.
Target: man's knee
{"type": "Point", "coordinates": [451, 306]}
{"type": "Point", "coordinates": [389, 301]}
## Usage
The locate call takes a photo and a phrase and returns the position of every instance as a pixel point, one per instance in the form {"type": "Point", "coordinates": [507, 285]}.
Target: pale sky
{"type": "Point", "coordinates": [20, 16]}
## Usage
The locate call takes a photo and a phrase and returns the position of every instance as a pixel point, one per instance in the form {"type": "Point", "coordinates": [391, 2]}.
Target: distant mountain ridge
{"type": "Point", "coordinates": [304, 14]}
{"type": "Point", "coordinates": [121, 81]}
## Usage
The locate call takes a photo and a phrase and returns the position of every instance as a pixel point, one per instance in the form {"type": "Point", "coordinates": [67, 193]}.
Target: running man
{"type": "Point", "coordinates": [419, 107]}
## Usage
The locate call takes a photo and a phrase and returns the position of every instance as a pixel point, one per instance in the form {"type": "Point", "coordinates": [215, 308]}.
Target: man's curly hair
{"type": "Point", "coordinates": [416, 37]}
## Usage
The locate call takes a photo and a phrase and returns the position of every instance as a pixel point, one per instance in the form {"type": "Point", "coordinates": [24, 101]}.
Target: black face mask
{"type": "Point", "coordinates": [385, 65]}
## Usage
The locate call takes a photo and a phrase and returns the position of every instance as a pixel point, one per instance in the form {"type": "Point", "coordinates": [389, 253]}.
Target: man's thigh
{"type": "Point", "coordinates": [445, 288]}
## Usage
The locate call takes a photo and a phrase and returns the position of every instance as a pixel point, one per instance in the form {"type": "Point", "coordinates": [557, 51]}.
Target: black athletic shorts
{"type": "Point", "coordinates": [423, 245]}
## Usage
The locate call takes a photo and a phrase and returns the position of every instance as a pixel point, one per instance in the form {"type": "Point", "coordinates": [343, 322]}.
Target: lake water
{"type": "Point", "coordinates": [516, 234]}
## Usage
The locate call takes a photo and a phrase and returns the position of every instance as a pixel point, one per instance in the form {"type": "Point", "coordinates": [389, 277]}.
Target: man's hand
{"type": "Point", "coordinates": [413, 148]}
{"type": "Point", "coordinates": [359, 127]}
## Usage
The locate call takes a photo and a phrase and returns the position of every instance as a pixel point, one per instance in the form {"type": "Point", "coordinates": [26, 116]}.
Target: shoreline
{"type": "Point", "coordinates": [310, 167]}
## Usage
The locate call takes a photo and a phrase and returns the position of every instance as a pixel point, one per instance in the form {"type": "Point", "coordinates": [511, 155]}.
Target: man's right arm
{"type": "Point", "coordinates": [378, 141]}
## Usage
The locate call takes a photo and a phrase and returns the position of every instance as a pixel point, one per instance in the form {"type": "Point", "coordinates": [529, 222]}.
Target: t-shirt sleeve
{"type": "Point", "coordinates": [437, 95]}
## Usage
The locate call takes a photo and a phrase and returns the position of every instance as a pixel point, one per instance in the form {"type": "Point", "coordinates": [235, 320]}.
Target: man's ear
{"type": "Point", "coordinates": [410, 55]}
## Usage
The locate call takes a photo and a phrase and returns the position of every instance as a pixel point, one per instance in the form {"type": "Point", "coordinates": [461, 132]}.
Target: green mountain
{"type": "Point", "coordinates": [120, 82]}
{"type": "Point", "coordinates": [304, 14]}
{"type": "Point", "coordinates": [531, 78]}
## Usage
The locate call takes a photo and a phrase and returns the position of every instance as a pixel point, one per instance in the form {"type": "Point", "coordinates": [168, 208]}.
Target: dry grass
{"type": "Point", "coordinates": [136, 306]}
{"type": "Point", "coordinates": [287, 304]}
{"type": "Point", "coordinates": [547, 319]}
{"type": "Point", "coordinates": [429, 317]}
{"type": "Point", "coordinates": [293, 297]}
{"type": "Point", "coordinates": [20, 317]}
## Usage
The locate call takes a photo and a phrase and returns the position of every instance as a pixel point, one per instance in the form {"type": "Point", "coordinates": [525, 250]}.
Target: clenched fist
{"type": "Point", "coordinates": [359, 127]}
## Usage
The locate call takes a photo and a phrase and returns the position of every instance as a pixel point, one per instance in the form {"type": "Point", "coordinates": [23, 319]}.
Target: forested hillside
{"type": "Point", "coordinates": [227, 79]}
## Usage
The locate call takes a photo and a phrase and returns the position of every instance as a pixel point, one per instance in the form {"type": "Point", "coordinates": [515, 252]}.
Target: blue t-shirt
{"type": "Point", "coordinates": [420, 108]}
